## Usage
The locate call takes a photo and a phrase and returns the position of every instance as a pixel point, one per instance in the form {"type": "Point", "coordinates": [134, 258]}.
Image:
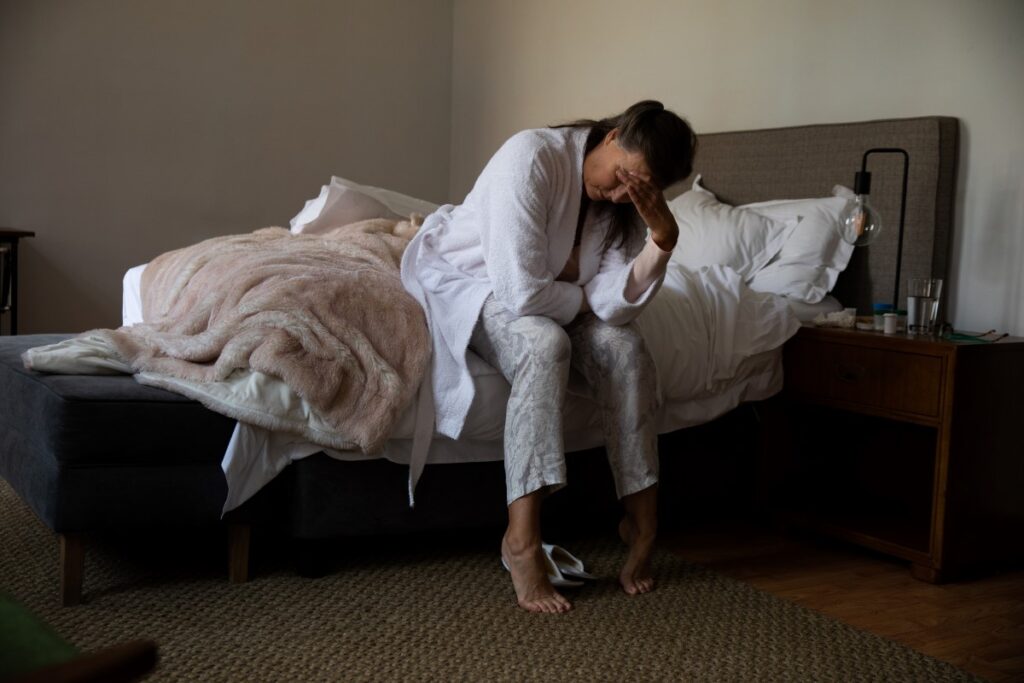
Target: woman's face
{"type": "Point", "coordinates": [600, 167]}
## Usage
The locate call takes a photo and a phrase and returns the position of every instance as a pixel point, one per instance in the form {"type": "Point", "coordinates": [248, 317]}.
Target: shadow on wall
{"type": "Point", "coordinates": [75, 305]}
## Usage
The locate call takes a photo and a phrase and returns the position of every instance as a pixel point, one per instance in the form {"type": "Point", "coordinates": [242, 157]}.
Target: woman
{"type": "Point", "coordinates": [543, 267]}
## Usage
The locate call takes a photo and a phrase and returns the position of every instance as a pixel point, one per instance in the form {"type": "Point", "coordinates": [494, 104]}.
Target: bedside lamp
{"type": "Point", "coordinates": [860, 224]}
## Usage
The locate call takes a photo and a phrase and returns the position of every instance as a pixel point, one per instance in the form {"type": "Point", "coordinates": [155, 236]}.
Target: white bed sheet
{"type": "Point", "coordinates": [674, 324]}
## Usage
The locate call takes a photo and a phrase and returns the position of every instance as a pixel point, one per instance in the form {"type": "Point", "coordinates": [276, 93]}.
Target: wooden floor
{"type": "Point", "coordinates": [976, 625]}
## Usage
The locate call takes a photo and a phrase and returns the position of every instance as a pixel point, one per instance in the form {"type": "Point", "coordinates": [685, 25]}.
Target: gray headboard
{"type": "Point", "coordinates": [806, 161]}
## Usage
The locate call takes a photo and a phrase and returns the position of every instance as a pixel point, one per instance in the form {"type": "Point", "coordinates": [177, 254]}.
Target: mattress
{"type": "Point", "coordinates": [690, 395]}
{"type": "Point", "coordinates": [688, 398]}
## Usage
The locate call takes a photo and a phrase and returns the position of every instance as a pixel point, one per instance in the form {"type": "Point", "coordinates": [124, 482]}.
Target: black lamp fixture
{"type": "Point", "coordinates": [859, 223]}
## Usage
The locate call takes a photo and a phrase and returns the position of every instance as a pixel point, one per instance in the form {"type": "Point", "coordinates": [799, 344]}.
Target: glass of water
{"type": "Point", "coordinates": [923, 295]}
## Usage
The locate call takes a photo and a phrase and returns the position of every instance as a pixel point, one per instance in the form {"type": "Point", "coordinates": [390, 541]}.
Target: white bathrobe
{"type": "Point", "coordinates": [512, 237]}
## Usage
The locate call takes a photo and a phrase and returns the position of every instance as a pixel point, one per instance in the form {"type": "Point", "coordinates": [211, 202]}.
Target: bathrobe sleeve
{"type": "Point", "coordinates": [514, 228]}
{"type": "Point", "coordinates": [624, 285]}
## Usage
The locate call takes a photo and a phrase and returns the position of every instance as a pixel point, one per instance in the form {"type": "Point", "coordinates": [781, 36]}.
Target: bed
{"type": "Point", "coordinates": [325, 497]}
{"type": "Point", "coordinates": [702, 375]}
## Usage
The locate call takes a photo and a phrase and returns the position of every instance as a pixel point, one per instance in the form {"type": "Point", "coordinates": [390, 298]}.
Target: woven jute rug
{"type": "Point", "coordinates": [430, 608]}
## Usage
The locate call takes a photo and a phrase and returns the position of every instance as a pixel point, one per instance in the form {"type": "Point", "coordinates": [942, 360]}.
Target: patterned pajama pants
{"type": "Point", "coordinates": [535, 354]}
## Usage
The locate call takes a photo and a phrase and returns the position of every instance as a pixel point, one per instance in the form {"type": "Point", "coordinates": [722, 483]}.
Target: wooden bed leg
{"type": "Point", "coordinates": [72, 568]}
{"type": "Point", "coordinates": [238, 552]}
{"type": "Point", "coordinates": [925, 573]}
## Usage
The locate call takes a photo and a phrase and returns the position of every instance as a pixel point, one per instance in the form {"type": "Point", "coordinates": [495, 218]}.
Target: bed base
{"type": "Point", "coordinates": [707, 471]}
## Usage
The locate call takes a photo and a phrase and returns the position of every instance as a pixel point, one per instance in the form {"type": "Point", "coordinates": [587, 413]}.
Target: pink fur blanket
{"type": "Point", "coordinates": [326, 314]}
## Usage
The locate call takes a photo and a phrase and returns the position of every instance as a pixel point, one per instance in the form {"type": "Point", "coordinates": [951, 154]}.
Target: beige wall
{"type": "Point", "coordinates": [740, 64]}
{"type": "Point", "coordinates": [130, 127]}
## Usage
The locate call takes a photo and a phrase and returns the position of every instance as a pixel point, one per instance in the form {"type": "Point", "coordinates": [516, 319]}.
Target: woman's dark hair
{"type": "Point", "coordinates": [665, 140]}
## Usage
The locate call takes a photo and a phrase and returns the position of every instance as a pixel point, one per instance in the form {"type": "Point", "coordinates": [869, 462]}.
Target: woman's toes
{"type": "Point", "coordinates": [534, 592]}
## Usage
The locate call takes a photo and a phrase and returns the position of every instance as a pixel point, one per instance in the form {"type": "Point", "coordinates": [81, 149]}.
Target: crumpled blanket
{"type": "Point", "coordinates": [326, 315]}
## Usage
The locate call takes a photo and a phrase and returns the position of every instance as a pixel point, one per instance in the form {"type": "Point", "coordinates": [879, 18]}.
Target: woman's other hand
{"type": "Point", "coordinates": [650, 203]}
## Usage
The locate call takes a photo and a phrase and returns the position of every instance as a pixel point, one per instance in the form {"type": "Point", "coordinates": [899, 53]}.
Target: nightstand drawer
{"type": "Point", "coordinates": [874, 378]}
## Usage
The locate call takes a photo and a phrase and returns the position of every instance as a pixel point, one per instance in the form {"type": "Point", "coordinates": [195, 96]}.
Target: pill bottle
{"type": "Point", "coordinates": [879, 311]}
{"type": "Point", "coordinates": [889, 323]}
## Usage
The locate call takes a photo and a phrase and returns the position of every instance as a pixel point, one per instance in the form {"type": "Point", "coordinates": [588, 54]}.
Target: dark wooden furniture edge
{"type": "Point", "coordinates": [11, 237]}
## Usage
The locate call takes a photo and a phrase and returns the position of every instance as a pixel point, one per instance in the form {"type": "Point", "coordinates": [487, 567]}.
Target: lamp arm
{"type": "Point", "coordinates": [903, 210]}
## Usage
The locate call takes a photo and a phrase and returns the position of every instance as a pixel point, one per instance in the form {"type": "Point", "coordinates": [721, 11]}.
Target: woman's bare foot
{"type": "Point", "coordinates": [635, 576]}
{"type": "Point", "coordinates": [534, 591]}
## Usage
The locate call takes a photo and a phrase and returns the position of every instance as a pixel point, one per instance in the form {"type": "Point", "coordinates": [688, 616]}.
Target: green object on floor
{"type": "Point", "coordinates": [26, 643]}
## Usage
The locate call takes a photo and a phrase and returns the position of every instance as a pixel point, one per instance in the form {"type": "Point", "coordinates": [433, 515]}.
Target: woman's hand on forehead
{"type": "Point", "coordinates": [638, 174]}
{"type": "Point", "coordinates": [627, 177]}
{"type": "Point", "coordinates": [641, 182]}
{"type": "Point", "coordinates": [650, 204]}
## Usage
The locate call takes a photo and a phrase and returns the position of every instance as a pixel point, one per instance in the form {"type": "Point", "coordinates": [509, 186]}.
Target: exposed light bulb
{"type": "Point", "coordinates": [859, 223]}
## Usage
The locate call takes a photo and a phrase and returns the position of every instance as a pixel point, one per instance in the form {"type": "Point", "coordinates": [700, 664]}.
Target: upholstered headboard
{"type": "Point", "coordinates": [806, 161]}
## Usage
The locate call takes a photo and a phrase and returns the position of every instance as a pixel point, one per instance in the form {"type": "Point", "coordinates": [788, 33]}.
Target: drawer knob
{"type": "Point", "coordinates": [850, 373]}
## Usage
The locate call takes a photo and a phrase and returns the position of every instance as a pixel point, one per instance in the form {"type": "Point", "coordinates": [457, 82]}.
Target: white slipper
{"type": "Point", "coordinates": [567, 563]}
{"type": "Point", "coordinates": [555, 575]}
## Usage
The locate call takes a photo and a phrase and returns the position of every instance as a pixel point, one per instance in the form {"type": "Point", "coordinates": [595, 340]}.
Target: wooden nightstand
{"type": "Point", "coordinates": [912, 446]}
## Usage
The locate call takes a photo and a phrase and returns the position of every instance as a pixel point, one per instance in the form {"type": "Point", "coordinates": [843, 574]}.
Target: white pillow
{"type": "Point", "coordinates": [713, 233]}
{"type": "Point", "coordinates": [343, 202]}
{"type": "Point", "coordinates": [812, 257]}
